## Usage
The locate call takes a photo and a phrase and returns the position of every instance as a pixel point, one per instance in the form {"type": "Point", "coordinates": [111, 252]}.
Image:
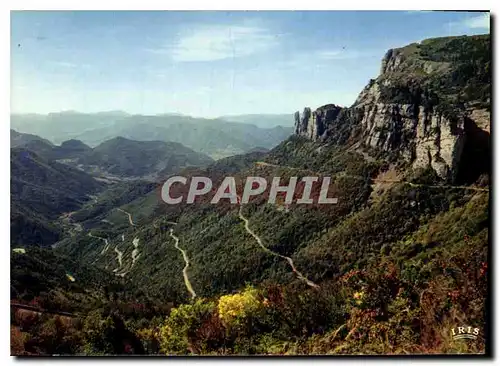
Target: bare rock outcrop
{"type": "Point", "coordinates": [403, 113]}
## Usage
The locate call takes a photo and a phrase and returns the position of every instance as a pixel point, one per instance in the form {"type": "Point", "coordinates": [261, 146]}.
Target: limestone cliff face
{"type": "Point", "coordinates": [419, 134]}
{"type": "Point", "coordinates": [400, 114]}
{"type": "Point", "coordinates": [314, 124]}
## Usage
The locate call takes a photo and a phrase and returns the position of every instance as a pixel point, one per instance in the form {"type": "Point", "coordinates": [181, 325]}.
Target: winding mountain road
{"type": "Point", "coordinates": [135, 243]}
{"type": "Point", "coordinates": [106, 246]}
{"type": "Point", "coordinates": [375, 180]}
{"type": "Point", "coordinates": [299, 275]}
{"type": "Point", "coordinates": [129, 216]}
{"type": "Point", "coordinates": [119, 258]}
{"type": "Point", "coordinates": [66, 219]}
{"type": "Point", "coordinates": [186, 260]}
{"type": "Point", "coordinates": [135, 252]}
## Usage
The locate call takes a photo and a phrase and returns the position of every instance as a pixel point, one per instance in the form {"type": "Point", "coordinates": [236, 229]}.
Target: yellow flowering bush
{"type": "Point", "coordinates": [149, 338]}
{"type": "Point", "coordinates": [358, 296]}
{"type": "Point", "coordinates": [174, 335]}
{"type": "Point", "coordinates": [233, 308]}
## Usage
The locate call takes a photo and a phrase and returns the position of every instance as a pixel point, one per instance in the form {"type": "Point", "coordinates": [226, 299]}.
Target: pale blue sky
{"type": "Point", "coordinates": [209, 63]}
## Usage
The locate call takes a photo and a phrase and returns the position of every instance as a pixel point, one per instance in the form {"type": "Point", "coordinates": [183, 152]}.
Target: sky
{"type": "Point", "coordinates": [208, 64]}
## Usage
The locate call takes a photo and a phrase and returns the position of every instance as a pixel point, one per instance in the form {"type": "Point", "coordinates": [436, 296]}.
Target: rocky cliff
{"type": "Point", "coordinates": [429, 102]}
{"type": "Point", "coordinates": [314, 124]}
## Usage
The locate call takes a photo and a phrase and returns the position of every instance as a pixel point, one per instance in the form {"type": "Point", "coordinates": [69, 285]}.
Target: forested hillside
{"type": "Point", "coordinates": [41, 190]}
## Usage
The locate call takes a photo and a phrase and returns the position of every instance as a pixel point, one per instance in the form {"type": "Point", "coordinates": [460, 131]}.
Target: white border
{"type": "Point", "coordinates": [250, 5]}
{"type": "Point", "coordinates": [190, 5]}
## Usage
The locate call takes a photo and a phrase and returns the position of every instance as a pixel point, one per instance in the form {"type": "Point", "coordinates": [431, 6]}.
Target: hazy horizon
{"type": "Point", "coordinates": [209, 64]}
{"type": "Point", "coordinates": [151, 114]}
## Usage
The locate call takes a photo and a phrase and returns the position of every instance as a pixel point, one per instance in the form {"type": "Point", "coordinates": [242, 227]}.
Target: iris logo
{"type": "Point", "coordinates": [464, 333]}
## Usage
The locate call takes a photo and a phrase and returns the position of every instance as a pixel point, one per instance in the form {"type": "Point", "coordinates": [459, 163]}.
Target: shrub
{"type": "Point", "coordinates": [178, 332]}
{"type": "Point", "coordinates": [234, 309]}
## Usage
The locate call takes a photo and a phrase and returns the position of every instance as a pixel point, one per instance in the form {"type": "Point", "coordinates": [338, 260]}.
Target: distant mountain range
{"type": "Point", "coordinates": [262, 120]}
{"type": "Point", "coordinates": [126, 157]}
{"type": "Point", "coordinates": [118, 157]}
{"type": "Point", "coordinates": [24, 139]}
{"type": "Point", "coordinates": [215, 137]}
